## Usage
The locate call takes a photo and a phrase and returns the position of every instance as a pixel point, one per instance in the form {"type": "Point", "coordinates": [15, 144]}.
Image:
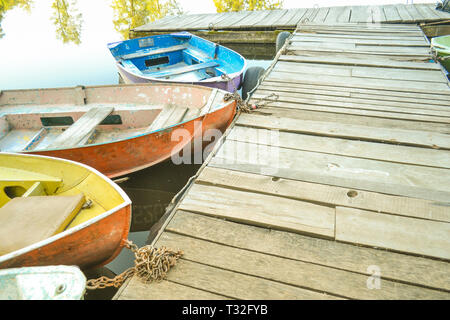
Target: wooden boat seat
{"type": "Point", "coordinates": [79, 132]}
{"type": "Point", "coordinates": [151, 52]}
{"type": "Point", "coordinates": [27, 220]}
{"type": "Point", "coordinates": [184, 69]}
{"type": "Point", "coordinates": [169, 116]}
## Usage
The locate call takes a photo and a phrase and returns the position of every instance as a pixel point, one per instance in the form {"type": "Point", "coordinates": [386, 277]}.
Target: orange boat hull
{"type": "Point", "coordinates": [123, 157]}
{"type": "Point", "coordinates": [90, 247]}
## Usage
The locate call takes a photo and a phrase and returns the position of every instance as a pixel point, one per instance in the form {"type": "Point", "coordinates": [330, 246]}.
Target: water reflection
{"type": "Point", "coordinates": [67, 20]}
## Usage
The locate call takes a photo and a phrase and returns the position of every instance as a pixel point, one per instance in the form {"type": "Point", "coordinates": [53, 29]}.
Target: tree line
{"type": "Point", "coordinates": [128, 14]}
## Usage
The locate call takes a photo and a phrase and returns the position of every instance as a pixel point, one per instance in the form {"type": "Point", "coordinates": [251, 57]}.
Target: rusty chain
{"type": "Point", "coordinates": [249, 107]}
{"type": "Point", "coordinates": [150, 264]}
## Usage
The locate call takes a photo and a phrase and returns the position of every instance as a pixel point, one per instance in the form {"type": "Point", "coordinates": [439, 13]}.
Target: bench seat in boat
{"type": "Point", "coordinates": [27, 220]}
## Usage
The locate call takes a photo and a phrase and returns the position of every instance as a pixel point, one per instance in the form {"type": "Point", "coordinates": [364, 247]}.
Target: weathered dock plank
{"type": "Point", "coordinates": [289, 18]}
{"type": "Point", "coordinates": [345, 175]}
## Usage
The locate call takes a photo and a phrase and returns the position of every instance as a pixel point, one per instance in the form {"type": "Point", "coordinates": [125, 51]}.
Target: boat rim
{"type": "Point", "coordinates": [85, 224]}
{"type": "Point", "coordinates": [220, 106]}
{"type": "Point", "coordinates": [214, 79]}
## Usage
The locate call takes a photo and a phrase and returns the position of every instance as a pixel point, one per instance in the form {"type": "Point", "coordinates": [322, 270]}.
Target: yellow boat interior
{"type": "Point", "coordinates": [42, 196]}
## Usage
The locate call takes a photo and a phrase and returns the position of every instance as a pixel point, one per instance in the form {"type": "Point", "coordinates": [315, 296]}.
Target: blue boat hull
{"type": "Point", "coordinates": [179, 58]}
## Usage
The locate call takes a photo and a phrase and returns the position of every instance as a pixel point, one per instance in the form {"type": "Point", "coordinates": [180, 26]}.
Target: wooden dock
{"type": "Point", "coordinates": [254, 33]}
{"type": "Point", "coordinates": [339, 189]}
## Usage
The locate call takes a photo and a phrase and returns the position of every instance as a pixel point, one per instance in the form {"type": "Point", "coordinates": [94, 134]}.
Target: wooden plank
{"type": "Point", "coordinates": [349, 47]}
{"type": "Point", "coordinates": [233, 21]}
{"type": "Point", "coordinates": [149, 52]}
{"type": "Point", "coordinates": [394, 266]}
{"type": "Point", "coordinates": [332, 99]}
{"type": "Point", "coordinates": [378, 15]}
{"type": "Point", "coordinates": [397, 43]}
{"type": "Point", "coordinates": [400, 56]}
{"type": "Point", "coordinates": [192, 113]}
{"type": "Point", "coordinates": [257, 209]}
{"type": "Point", "coordinates": [393, 232]}
{"type": "Point", "coordinates": [361, 14]}
{"type": "Point", "coordinates": [415, 14]}
{"type": "Point", "coordinates": [371, 175]}
{"type": "Point", "coordinates": [207, 107]}
{"type": "Point", "coordinates": [296, 273]}
{"type": "Point", "coordinates": [403, 13]}
{"type": "Point", "coordinates": [363, 72]}
{"type": "Point", "coordinates": [360, 36]}
{"type": "Point", "coordinates": [163, 290]}
{"type": "Point", "coordinates": [184, 69]}
{"type": "Point", "coordinates": [340, 59]}
{"type": "Point", "coordinates": [352, 119]}
{"type": "Point", "coordinates": [359, 96]}
{"type": "Point", "coordinates": [161, 119]}
{"type": "Point", "coordinates": [391, 13]}
{"type": "Point", "coordinates": [434, 114]}
{"type": "Point", "coordinates": [333, 14]}
{"type": "Point", "coordinates": [254, 18]}
{"type": "Point", "coordinates": [82, 128]}
{"type": "Point", "coordinates": [324, 194]}
{"type": "Point", "coordinates": [425, 10]}
{"type": "Point", "coordinates": [273, 18]}
{"type": "Point", "coordinates": [397, 136]}
{"type": "Point", "coordinates": [344, 16]}
{"type": "Point", "coordinates": [229, 283]}
{"type": "Point", "coordinates": [366, 93]}
{"type": "Point", "coordinates": [297, 17]}
{"type": "Point", "coordinates": [369, 113]}
{"type": "Point", "coordinates": [352, 148]}
{"type": "Point", "coordinates": [176, 117]}
{"type": "Point", "coordinates": [382, 84]}
{"type": "Point", "coordinates": [291, 18]}
{"type": "Point", "coordinates": [200, 23]}
{"type": "Point", "coordinates": [37, 189]}
{"type": "Point", "coordinates": [321, 15]}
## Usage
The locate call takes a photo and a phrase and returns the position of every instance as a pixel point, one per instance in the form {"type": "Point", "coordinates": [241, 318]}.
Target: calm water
{"type": "Point", "coordinates": [32, 56]}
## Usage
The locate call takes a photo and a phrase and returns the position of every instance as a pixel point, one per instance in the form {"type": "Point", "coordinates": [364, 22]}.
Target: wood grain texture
{"type": "Point", "coordinates": [371, 175]}
{"type": "Point", "coordinates": [294, 272]}
{"type": "Point", "coordinates": [263, 210]}
{"type": "Point", "coordinates": [326, 195]}
{"type": "Point", "coordinates": [417, 236]}
{"type": "Point", "coordinates": [78, 132]}
{"type": "Point", "coordinates": [135, 289]}
{"type": "Point", "coordinates": [394, 266]}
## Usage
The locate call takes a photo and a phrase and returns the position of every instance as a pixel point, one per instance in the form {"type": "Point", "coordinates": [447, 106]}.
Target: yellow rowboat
{"type": "Point", "coordinates": [59, 212]}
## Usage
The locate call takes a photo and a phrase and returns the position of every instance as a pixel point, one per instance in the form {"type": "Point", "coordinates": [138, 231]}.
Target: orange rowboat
{"type": "Point", "coordinates": [59, 212]}
{"type": "Point", "coordinates": [115, 129]}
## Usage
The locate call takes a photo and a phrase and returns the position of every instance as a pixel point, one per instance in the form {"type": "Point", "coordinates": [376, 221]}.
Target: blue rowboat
{"type": "Point", "coordinates": [179, 57]}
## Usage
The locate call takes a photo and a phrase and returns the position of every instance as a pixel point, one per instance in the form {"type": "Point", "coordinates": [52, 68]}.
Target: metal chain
{"type": "Point", "coordinates": [248, 107]}
{"type": "Point", "coordinates": [150, 264]}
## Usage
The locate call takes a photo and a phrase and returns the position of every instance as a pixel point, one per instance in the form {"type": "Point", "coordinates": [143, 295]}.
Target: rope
{"type": "Point", "coordinates": [245, 106]}
{"type": "Point", "coordinates": [150, 264]}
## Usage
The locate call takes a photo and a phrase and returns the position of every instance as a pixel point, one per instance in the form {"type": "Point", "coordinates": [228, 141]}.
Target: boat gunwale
{"type": "Point", "coordinates": [219, 107]}
{"type": "Point", "coordinates": [83, 225]}
{"type": "Point", "coordinates": [217, 79]}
